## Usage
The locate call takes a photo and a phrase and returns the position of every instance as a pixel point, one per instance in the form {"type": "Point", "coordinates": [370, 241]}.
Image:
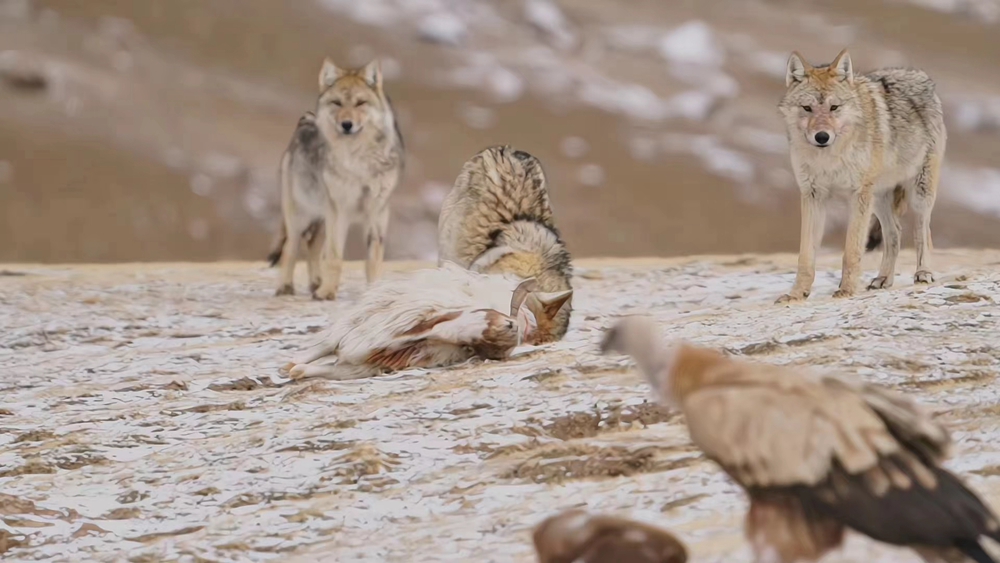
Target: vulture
{"type": "Point", "coordinates": [816, 453]}
{"type": "Point", "coordinates": [575, 536]}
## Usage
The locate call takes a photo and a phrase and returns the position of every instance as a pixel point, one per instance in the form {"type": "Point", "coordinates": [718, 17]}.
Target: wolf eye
{"type": "Point", "coordinates": [337, 103]}
{"type": "Point", "coordinates": [834, 108]}
{"type": "Point", "coordinates": [360, 103]}
{"type": "Point", "coordinates": [809, 109]}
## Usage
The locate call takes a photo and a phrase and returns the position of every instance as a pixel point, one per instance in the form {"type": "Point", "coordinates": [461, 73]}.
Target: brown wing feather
{"type": "Point", "coordinates": [902, 501]}
{"type": "Point", "coordinates": [906, 421]}
{"type": "Point", "coordinates": [795, 530]}
{"type": "Point", "coordinates": [768, 434]}
{"type": "Point", "coordinates": [851, 452]}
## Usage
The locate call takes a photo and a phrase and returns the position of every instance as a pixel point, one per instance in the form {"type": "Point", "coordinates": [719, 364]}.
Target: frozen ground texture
{"type": "Point", "coordinates": [142, 416]}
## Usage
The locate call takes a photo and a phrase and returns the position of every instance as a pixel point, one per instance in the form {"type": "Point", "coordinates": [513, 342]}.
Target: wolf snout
{"type": "Point", "coordinates": [822, 138]}
{"type": "Point", "coordinates": [347, 126]}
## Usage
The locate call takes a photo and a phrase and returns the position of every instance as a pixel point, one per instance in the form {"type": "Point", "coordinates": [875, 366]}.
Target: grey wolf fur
{"type": "Point", "coordinates": [878, 138]}
{"type": "Point", "coordinates": [362, 165]}
{"type": "Point", "coordinates": [497, 219]}
{"type": "Point", "coordinates": [303, 200]}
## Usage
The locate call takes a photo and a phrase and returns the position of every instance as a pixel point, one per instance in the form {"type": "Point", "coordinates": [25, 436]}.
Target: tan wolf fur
{"type": "Point", "coordinates": [497, 219]}
{"type": "Point", "coordinates": [878, 138]}
{"type": "Point", "coordinates": [362, 163]}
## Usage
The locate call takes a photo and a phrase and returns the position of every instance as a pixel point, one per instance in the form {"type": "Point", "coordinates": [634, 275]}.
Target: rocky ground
{"type": "Point", "coordinates": [143, 417]}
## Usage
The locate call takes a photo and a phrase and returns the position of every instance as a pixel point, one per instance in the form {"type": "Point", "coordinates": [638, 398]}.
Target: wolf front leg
{"type": "Point", "coordinates": [857, 233]}
{"type": "Point", "coordinates": [336, 225]}
{"type": "Point", "coordinates": [376, 227]}
{"type": "Point", "coordinates": [810, 237]}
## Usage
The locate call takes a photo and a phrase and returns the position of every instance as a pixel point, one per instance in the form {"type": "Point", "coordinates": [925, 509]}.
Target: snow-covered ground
{"type": "Point", "coordinates": [142, 417]}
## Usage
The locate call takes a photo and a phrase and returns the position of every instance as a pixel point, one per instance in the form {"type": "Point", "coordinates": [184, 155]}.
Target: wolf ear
{"type": "Point", "coordinates": [521, 292]}
{"type": "Point", "coordinates": [373, 74]}
{"type": "Point", "coordinates": [843, 67]}
{"type": "Point", "coordinates": [549, 304]}
{"type": "Point", "coordinates": [796, 69]}
{"type": "Point", "coordinates": [328, 74]}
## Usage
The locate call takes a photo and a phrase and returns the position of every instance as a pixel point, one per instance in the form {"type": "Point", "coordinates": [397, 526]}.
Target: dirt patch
{"type": "Point", "coordinates": [973, 379]}
{"type": "Point", "coordinates": [318, 446]}
{"type": "Point", "coordinates": [584, 461]}
{"type": "Point", "coordinates": [172, 386]}
{"type": "Point", "coordinates": [247, 499]}
{"type": "Point", "coordinates": [968, 297]}
{"type": "Point", "coordinates": [10, 540]}
{"type": "Point", "coordinates": [145, 538]}
{"type": "Point", "coordinates": [361, 461]}
{"type": "Point", "coordinates": [35, 436]}
{"type": "Point", "coordinates": [586, 424]}
{"type": "Point", "coordinates": [31, 467]}
{"type": "Point", "coordinates": [772, 346]}
{"type": "Point", "coordinates": [242, 384]}
{"type": "Point", "coordinates": [234, 406]}
{"type": "Point", "coordinates": [122, 513]}
{"type": "Point", "coordinates": [906, 365]}
{"type": "Point", "coordinates": [14, 505]}
{"type": "Point", "coordinates": [131, 496]}
{"type": "Point", "coordinates": [681, 502]}
{"type": "Point", "coordinates": [77, 459]}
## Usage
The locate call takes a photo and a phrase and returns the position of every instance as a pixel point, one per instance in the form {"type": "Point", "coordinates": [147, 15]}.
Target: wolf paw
{"type": "Point", "coordinates": [923, 276]}
{"type": "Point", "coordinates": [325, 293]}
{"type": "Point", "coordinates": [881, 282]}
{"type": "Point", "coordinates": [791, 298]}
{"type": "Point", "coordinates": [286, 289]}
{"type": "Point", "coordinates": [843, 293]}
{"type": "Point", "coordinates": [313, 286]}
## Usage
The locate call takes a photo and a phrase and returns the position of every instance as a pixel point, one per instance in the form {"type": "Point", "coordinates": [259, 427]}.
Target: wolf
{"type": "Point", "coordinates": [878, 138]}
{"type": "Point", "coordinates": [497, 219]}
{"type": "Point", "coordinates": [356, 153]}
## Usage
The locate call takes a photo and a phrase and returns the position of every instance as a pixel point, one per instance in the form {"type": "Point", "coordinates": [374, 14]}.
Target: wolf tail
{"type": "Point", "coordinates": [875, 230]}
{"type": "Point", "coordinates": [278, 245]}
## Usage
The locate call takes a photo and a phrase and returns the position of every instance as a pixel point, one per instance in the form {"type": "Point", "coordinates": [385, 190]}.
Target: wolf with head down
{"type": "Point", "coordinates": [497, 219]}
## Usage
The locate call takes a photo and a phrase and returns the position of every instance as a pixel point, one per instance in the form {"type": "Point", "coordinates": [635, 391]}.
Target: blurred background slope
{"type": "Point", "coordinates": [146, 130]}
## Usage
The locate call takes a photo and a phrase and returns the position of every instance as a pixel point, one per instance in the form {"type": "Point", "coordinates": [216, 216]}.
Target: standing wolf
{"type": "Point", "coordinates": [341, 167]}
{"type": "Point", "coordinates": [497, 219]}
{"type": "Point", "coordinates": [878, 138]}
